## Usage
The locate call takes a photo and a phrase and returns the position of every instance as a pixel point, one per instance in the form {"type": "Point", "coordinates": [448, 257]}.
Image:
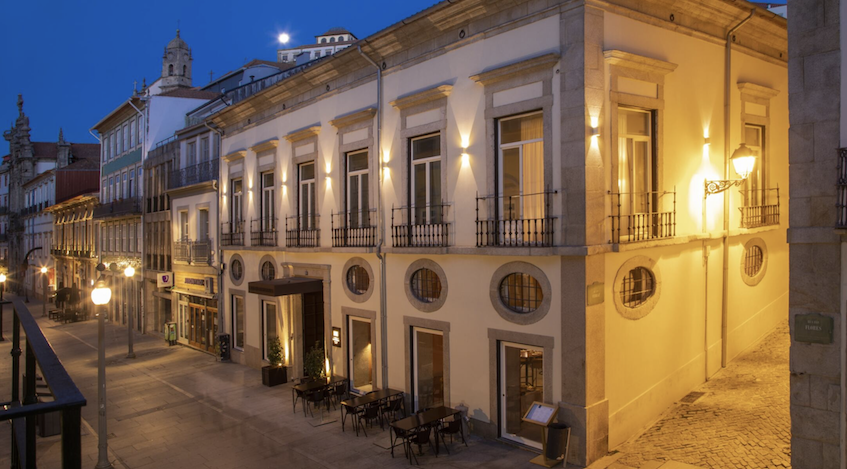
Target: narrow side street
{"type": "Point", "coordinates": [742, 420]}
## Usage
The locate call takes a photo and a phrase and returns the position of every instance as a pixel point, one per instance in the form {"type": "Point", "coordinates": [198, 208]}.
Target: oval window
{"type": "Point", "coordinates": [268, 271]}
{"type": "Point", "coordinates": [237, 269]}
{"type": "Point", "coordinates": [358, 280]}
{"type": "Point", "coordinates": [521, 293]}
{"type": "Point", "coordinates": [425, 285]}
{"type": "Point", "coordinates": [753, 260]}
{"type": "Point", "coordinates": [637, 286]}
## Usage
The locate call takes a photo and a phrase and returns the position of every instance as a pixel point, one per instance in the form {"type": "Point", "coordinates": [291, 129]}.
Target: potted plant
{"type": "Point", "coordinates": [274, 374]}
{"type": "Point", "coordinates": [314, 361]}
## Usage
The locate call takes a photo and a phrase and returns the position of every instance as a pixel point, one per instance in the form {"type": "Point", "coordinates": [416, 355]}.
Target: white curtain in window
{"type": "Point", "coordinates": [532, 167]}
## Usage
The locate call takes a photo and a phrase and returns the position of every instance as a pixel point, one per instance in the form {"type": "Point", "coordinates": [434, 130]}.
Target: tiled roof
{"type": "Point", "coordinates": [45, 149]}
{"type": "Point", "coordinates": [190, 93]}
{"type": "Point", "coordinates": [335, 30]}
{"type": "Point", "coordinates": [84, 163]}
{"type": "Point", "coordinates": [279, 65]}
{"type": "Point", "coordinates": [86, 150]}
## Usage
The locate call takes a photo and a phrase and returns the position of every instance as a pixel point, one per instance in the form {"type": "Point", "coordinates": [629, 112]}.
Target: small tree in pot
{"type": "Point", "coordinates": [314, 361]}
{"type": "Point", "coordinates": [274, 373]}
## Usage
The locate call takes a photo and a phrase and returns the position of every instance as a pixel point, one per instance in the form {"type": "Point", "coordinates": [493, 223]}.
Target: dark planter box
{"type": "Point", "coordinates": [274, 375]}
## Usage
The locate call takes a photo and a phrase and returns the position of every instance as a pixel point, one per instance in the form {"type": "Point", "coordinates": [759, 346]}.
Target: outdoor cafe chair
{"type": "Point", "coordinates": [392, 407]}
{"type": "Point", "coordinates": [370, 414]}
{"type": "Point", "coordinates": [299, 396]}
{"type": "Point", "coordinates": [421, 436]}
{"type": "Point", "coordinates": [451, 427]}
{"type": "Point", "coordinates": [339, 390]}
{"type": "Point", "coordinates": [317, 398]}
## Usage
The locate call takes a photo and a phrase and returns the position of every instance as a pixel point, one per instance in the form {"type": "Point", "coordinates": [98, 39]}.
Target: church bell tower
{"type": "Point", "coordinates": [176, 65]}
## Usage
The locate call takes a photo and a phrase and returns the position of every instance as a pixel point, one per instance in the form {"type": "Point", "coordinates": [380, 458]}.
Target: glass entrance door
{"type": "Point", "coordinates": [360, 354]}
{"type": "Point", "coordinates": [270, 329]}
{"type": "Point", "coordinates": [521, 383]}
{"type": "Point", "coordinates": [427, 368]}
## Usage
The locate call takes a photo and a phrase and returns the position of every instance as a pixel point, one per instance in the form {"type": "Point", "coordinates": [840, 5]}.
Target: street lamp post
{"type": "Point", "coordinates": [100, 296]}
{"type": "Point", "coordinates": [44, 291]}
{"type": "Point", "coordinates": [2, 285]}
{"type": "Point", "coordinates": [129, 272]}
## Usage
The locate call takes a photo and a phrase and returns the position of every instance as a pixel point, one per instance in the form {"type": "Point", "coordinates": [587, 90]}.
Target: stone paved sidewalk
{"type": "Point", "coordinates": [742, 421]}
{"type": "Point", "coordinates": [177, 407]}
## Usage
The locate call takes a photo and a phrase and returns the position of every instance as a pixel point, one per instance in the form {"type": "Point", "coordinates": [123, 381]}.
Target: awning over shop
{"type": "Point", "coordinates": [285, 286]}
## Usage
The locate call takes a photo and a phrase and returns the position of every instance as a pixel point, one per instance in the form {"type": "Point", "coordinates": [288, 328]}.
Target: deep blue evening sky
{"type": "Point", "coordinates": [75, 61]}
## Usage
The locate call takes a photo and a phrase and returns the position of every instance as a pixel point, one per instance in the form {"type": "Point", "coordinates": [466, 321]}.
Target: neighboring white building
{"type": "Point", "coordinates": [521, 215]}
{"type": "Point", "coordinates": [326, 44]}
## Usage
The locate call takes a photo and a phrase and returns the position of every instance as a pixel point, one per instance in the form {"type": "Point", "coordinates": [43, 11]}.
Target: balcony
{"type": "Point", "coordinates": [406, 231]}
{"type": "Point", "coordinates": [521, 220]}
{"type": "Point", "coordinates": [205, 171]}
{"type": "Point", "coordinates": [232, 233]}
{"type": "Point", "coordinates": [182, 250]}
{"type": "Point", "coordinates": [354, 229]}
{"type": "Point", "coordinates": [118, 208]}
{"type": "Point", "coordinates": [303, 232]}
{"type": "Point", "coordinates": [643, 216]}
{"type": "Point", "coordinates": [201, 252]}
{"type": "Point", "coordinates": [263, 232]}
{"type": "Point", "coordinates": [758, 212]}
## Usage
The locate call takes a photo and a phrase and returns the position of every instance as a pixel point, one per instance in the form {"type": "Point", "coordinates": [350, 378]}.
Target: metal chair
{"type": "Point", "coordinates": [451, 427]}
{"type": "Point", "coordinates": [339, 390]}
{"type": "Point", "coordinates": [370, 414]}
{"type": "Point", "coordinates": [318, 397]}
{"type": "Point", "coordinates": [420, 437]}
{"type": "Point", "coordinates": [393, 406]}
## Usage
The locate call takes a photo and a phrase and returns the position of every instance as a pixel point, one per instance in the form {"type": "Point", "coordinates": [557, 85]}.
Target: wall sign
{"type": "Point", "coordinates": [594, 294]}
{"type": "Point", "coordinates": [813, 328]}
{"type": "Point", "coordinates": [165, 279]}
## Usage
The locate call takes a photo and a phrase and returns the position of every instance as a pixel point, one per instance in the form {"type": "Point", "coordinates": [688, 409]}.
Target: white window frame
{"type": "Point", "coordinates": [427, 162]}
{"type": "Point", "coordinates": [360, 218]}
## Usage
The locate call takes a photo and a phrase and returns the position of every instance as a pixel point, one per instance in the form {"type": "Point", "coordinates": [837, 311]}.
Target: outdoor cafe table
{"type": "Point", "coordinates": [421, 419]}
{"type": "Point", "coordinates": [314, 385]}
{"type": "Point", "coordinates": [362, 401]}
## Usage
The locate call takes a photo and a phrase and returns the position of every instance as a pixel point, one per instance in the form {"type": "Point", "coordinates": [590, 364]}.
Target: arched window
{"type": "Point", "coordinates": [323, 40]}
{"type": "Point", "coordinates": [170, 70]}
{"type": "Point", "coordinates": [340, 38]}
{"type": "Point", "coordinates": [332, 39]}
{"type": "Point", "coordinates": [184, 70]}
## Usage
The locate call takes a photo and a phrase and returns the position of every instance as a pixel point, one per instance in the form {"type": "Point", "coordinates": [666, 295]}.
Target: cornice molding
{"type": "Point", "coordinates": [422, 97]}
{"type": "Point", "coordinates": [518, 68]}
{"type": "Point", "coordinates": [234, 156]}
{"type": "Point", "coordinates": [758, 91]}
{"type": "Point", "coordinates": [638, 62]}
{"type": "Point", "coordinates": [266, 145]}
{"type": "Point", "coordinates": [353, 118]}
{"type": "Point", "coordinates": [303, 134]}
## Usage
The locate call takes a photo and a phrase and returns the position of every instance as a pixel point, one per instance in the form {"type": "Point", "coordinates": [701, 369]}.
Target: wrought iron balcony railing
{"type": "Point", "coordinates": [420, 226]}
{"type": "Point", "coordinates": [643, 216]}
{"type": "Point", "coordinates": [761, 209]}
{"type": "Point", "coordinates": [263, 232]}
{"type": "Point", "coordinates": [118, 208]}
{"type": "Point", "coordinates": [192, 252]}
{"type": "Point", "coordinates": [303, 232]}
{"type": "Point", "coordinates": [521, 220]}
{"type": "Point", "coordinates": [202, 172]}
{"type": "Point", "coordinates": [232, 233]}
{"type": "Point", "coordinates": [354, 229]}
{"type": "Point", "coordinates": [182, 250]}
{"type": "Point", "coordinates": [201, 251]}
{"type": "Point", "coordinates": [25, 407]}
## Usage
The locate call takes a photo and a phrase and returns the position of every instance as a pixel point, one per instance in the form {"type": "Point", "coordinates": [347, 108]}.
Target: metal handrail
{"type": "Point", "coordinates": [644, 222]}
{"type": "Point", "coordinates": [201, 172]}
{"type": "Point", "coordinates": [232, 233]}
{"type": "Point", "coordinates": [353, 228]}
{"type": "Point", "coordinates": [67, 397]}
{"type": "Point", "coordinates": [410, 231]}
{"type": "Point", "coordinates": [501, 226]}
{"type": "Point", "coordinates": [762, 214]}
{"type": "Point", "coordinates": [263, 232]}
{"type": "Point", "coordinates": [299, 233]}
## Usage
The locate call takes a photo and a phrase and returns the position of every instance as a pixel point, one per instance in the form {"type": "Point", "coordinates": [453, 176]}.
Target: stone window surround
{"type": "Point", "coordinates": [416, 103]}
{"type": "Point", "coordinates": [644, 308]}
{"type": "Point", "coordinates": [231, 313]}
{"type": "Point", "coordinates": [268, 258]}
{"type": "Point", "coordinates": [442, 326]}
{"type": "Point", "coordinates": [299, 138]}
{"type": "Point", "coordinates": [495, 337]}
{"type": "Point", "coordinates": [363, 119]}
{"type": "Point", "coordinates": [761, 95]}
{"type": "Point", "coordinates": [442, 277]}
{"type": "Point", "coordinates": [260, 150]}
{"type": "Point", "coordinates": [504, 311]}
{"type": "Point", "coordinates": [232, 279]}
{"type": "Point", "coordinates": [627, 65]}
{"type": "Point", "coordinates": [346, 313]}
{"type": "Point", "coordinates": [358, 298]}
{"type": "Point", "coordinates": [756, 279]}
{"type": "Point", "coordinates": [524, 72]}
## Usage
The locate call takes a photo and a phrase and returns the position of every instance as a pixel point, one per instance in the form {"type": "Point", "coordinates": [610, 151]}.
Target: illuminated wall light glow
{"type": "Point", "coordinates": [386, 156]}
{"type": "Point", "coordinates": [595, 122]}
{"type": "Point", "coordinates": [328, 168]}
{"type": "Point", "coordinates": [465, 141]}
{"type": "Point", "coordinates": [466, 160]}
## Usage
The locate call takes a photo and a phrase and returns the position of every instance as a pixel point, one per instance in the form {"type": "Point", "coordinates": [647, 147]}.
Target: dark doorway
{"type": "Point", "coordinates": [313, 321]}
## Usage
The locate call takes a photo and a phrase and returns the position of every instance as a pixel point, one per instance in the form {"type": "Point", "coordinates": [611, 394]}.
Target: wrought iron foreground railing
{"type": "Point", "coordinates": [642, 216]}
{"type": "Point", "coordinates": [354, 229]}
{"type": "Point", "coordinates": [420, 226]}
{"type": "Point", "coordinates": [303, 232]}
{"type": "Point", "coordinates": [25, 409]}
{"type": "Point", "coordinates": [761, 208]}
{"type": "Point", "coordinates": [521, 220]}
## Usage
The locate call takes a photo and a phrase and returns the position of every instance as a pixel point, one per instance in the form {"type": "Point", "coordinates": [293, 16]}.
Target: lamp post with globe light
{"type": "Point", "coordinates": [129, 272]}
{"type": "Point", "coordinates": [2, 285]}
{"type": "Point", "coordinates": [100, 296]}
{"type": "Point", "coordinates": [44, 291]}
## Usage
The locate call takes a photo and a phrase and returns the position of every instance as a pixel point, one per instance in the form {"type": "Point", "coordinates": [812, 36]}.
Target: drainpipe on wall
{"type": "Point", "coordinates": [218, 239]}
{"type": "Point", "coordinates": [725, 242]}
{"type": "Point", "coordinates": [140, 186]}
{"type": "Point", "coordinates": [383, 318]}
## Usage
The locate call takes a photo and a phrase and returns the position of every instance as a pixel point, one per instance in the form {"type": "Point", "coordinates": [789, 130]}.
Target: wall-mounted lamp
{"type": "Point", "coordinates": [466, 141]}
{"type": "Point", "coordinates": [386, 156]}
{"type": "Point", "coordinates": [707, 141]}
{"type": "Point", "coordinates": [595, 132]}
{"type": "Point", "coordinates": [743, 160]}
{"type": "Point", "coordinates": [336, 337]}
{"type": "Point", "coordinates": [466, 160]}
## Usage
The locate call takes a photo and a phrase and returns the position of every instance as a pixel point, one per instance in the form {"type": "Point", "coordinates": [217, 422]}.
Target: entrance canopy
{"type": "Point", "coordinates": [286, 286]}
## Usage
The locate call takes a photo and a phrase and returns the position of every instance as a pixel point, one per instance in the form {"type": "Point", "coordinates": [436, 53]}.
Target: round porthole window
{"type": "Point", "coordinates": [426, 286]}
{"type": "Point", "coordinates": [237, 269]}
{"type": "Point", "coordinates": [521, 293]}
{"type": "Point", "coordinates": [637, 287]}
{"type": "Point", "coordinates": [754, 261]}
{"type": "Point", "coordinates": [358, 280]}
{"type": "Point", "coordinates": [268, 271]}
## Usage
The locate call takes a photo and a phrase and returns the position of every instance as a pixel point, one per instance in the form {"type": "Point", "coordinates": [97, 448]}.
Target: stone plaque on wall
{"type": "Point", "coordinates": [813, 328]}
{"type": "Point", "coordinates": [594, 294]}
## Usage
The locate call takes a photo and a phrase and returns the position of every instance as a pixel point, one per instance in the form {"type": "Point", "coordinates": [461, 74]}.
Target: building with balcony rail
{"type": "Point", "coordinates": [75, 241]}
{"type": "Point", "coordinates": [536, 181]}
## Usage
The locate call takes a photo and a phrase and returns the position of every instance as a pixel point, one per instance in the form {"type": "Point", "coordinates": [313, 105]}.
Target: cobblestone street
{"type": "Point", "coordinates": [742, 421]}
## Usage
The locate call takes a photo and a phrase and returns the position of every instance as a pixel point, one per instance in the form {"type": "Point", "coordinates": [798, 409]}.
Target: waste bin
{"type": "Point", "coordinates": [558, 438]}
{"type": "Point", "coordinates": [224, 341]}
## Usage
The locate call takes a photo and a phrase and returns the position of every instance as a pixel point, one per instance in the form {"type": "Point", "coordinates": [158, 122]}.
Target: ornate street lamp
{"type": "Point", "coordinates": [44, 288]}
{"type": "Point", "coordinates": [101, 296]}
{"type": "Point", "coordinates": [2, 285]}
{"type": "Point", "coordinates": [129, 272]}
{"type": "Point", "coordinates": [743, 160]}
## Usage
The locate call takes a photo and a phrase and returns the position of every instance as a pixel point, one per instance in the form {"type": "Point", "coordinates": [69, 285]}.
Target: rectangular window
{"type": "Point", "coordinates": [238, 321]}
{"type": "Point", "coordinates": [120, 139]}
{"type": "Point", "coordinates": [267, 202]}
{"type": "Point", "coordinates": [126, 137]}
{"type": "Point", "coordinates": [235, 208]}
{"type": "Point", "coordinates": [358, 199]}
{"type": "Point", "coordinates": [121, 239]}
{"type": "Point", "coordinates": [111, 188]}
{"type": "Point", "coordinates": [124, 194]}
{"type": "Point", "coordinates": [637, 170]}
{"type": "Point", "coordinates": [426, 180]}
{"type": "Point", "coordinates": [306, 205]}
{"type": "Point", "coordinates": [754, 138]}
{"type": "Point", "coordinates": [131, 234]}
{"type": "Point", "coordinates": [191, 154]}
{"type": "Point", "coordinates": [202, 224]}
{"type": "Point", "coordinates": [427, 368]}
{"type": "Point", "coordinates": [138, 238]}
{"type": "Point", "coordinates": [520, 179]}
{"type": "Point", "coordinates": [204, 149]}
{"type": "Point", "coordinates": [112, 238]}
{"type": "Point", "coordinates": [138, 132]}
{"type": "Point", "coordinates": [183, 225]}
{"type": "Point", "coordinates": [132, 133]}
{"type": "Point", "coordinates": [113, 147]}
{"type": "Point", "coordinates": [129, 187]}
